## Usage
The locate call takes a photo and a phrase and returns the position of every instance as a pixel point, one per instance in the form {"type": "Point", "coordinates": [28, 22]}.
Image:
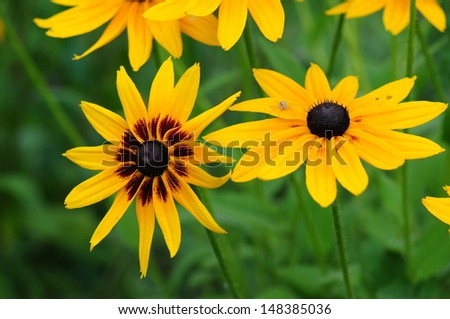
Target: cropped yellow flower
{"type": "Point", "coordinates": [329, 129]}
{"type": "Point", "coordinates": [268, 15]}
{"type": "Point", "coordinates": [395, 14]}
{"type": "Point", "coordinates": [85, 16]}
{"type": "Point", "coordinates": [439, 207]}
{"type": "Point", "coordinates": [151, 156]}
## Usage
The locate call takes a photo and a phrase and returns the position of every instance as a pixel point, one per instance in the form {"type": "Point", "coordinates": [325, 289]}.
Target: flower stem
{"type": "Point", "coordinates": [434, 75]}
{"type": "Point", "coordinates": [341, 249]}
{"type": "Point", "coordinates": [42, 87]}
{"type": "Point", "coordinates": [223, 252]}
{"type": "Point", "coordinates": [315, 239]}
{"type": "Point", "coordinates": [336, 42]}
{"type": "Point", "coordinates": [248, 38]}
{"type": "Point", "coordinates": [404, 170]}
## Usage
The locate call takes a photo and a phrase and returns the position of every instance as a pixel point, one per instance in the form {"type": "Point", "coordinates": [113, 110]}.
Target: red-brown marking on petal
{"type": "Point", "coordinates": [153, 127]}
{"type": "Point", "coordinates": [180, 168]}
{"type": "Point", "coordinates": [162, 190]}
{"type": "Point", "coordinates": [173, 181]}
{"type": "Point", "coordinates": [133, 184]}
{"type": "Point", "coordinates": [182, 150]}
{"type": "Point", "coordinates": [146, 191]}
{"type": "Point", "coordinates": [141, 129]}
{"type": "Point", "coordinates": [129, 141]}
{"type": "Point", "coordinates": [126, 170]}
{"type": "Point", "coordinates": [166, 124]}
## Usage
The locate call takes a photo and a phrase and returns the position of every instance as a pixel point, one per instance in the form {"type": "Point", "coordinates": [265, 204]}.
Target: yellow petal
{"type": "Point", "coordinates": [146, 220]}
{"type": "Point", "coordinates": [269, 17]}
{"type": "Point", "coordinates": [95, 189]}
{"type": "Point", "coordinates": [316, 83]}
{"type": "Point", "coordinates": [198, 177]}
{"type": "Point", "coordinates": [281, 87]}
{"type": "Point", "coordinates": [362, 8]}
{"type": "Point", "coordinates": [202, 29]}
{"type": "Point", "coordinates": [184, 95]}
{"type": "Point", "coordinates": [161, 89]}
{"type": "Point", "coordinates": [204, 155]}
{"type": "Point", "coordinates": [396, 15]}
{"type": "Point", "coordinates": [168, 34]}
{"type": "Point", "coordinates": [345, 91]}
{"type": "Point", "coordinates": [108, 124]}
{"type": "Point", "coordinates": [114, 214]}
{"type": "Point", "coordinates": [433, 12]}
{"type": "Point", "coordinates": [439, 207]}
{"type": "Point", "coordinates": [410, 146]}
{"type": "Point", "coordinates": [276, 107]}
{"type": "Point", "coordinates": [167, 10]}
{"type": "Point", "coordinates": [447, 189]}
{"type": "Point", "coordinates": [291, 155]}
{"type": "Point", "coordinates": [95, 158]}
{"type": "Point", "coordinates": [389, 94]}
{"type": "Point", "coordinates": [375, 151]}
{"type": "Point", "coordinates": [81, 19]}
{"type": "Point", "coordinates": [201, 121]}
{"type": "Point", "coordinates": [250, 134]}
{"type": "Point", "coordinates": [347, 166]}
{"type": "Point", "coordinates": [320, 179]}
{"type": "Point", "coordinates": [250, 164]}
{"type": "Point", "coordinates": [202, 7]}
{"type": "Point", "coordinates": [139, 37]}
{"type": "Point", "coordinates": [187, 198]}
{"type": "Point", "coordinates": [112, 31]}
{"type": "Point", "coordinates": [404, 115]}
{"type": "Point", "coordinates": [133, 106]}
{"type": "Point", "coordinates": [339, 9]}
{"type": "Point", "coordinates": [167, 217]}
{"type": "Point", "coordinates": [232, 19]}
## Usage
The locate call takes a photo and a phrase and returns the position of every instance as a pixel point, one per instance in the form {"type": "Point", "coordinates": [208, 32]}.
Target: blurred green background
{"type": "Point", "coordinates": [283, 244]}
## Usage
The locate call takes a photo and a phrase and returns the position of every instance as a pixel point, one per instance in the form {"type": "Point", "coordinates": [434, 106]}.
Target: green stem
{"type": "Point", "coordinates": [302, 209]}
{"type": "Point", "coordinates": [248, 38]}
{"type": "Point", "coordinates": [42, 87]}
{"type": "Point", "coordinates": [404, 170]}
{"type": "Point", "coordinates": [341, 249]}
{"type": "Point", "coordinates": [434, 75]}
{"type": "Point", "coordinates": [224, 254]}
{"type": "Point", "coordinates": [336, 42]}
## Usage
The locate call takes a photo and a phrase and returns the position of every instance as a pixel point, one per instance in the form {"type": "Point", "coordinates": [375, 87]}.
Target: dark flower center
{"type": "Point", "coordinates": [152, 158]}
{"type": "Point", "coordinates": [328, 119]}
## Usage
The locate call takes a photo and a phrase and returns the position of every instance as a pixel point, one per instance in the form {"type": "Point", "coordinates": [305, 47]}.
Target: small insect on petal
{"type": "Point", "coordinates": [283, 105]}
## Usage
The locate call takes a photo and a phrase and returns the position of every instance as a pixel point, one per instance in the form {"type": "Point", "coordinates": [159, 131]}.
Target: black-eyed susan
{"type": "Point", "coordinates": [439, 207]}
{"type": "Point", "coordinates": [86, 16]}
{"type": "Point", "coordinates": [395, 14]}
{"type": "Point", "coordinates": [329, 129]}
{"type": "Point", "coordinates": [268, 15]}
{"type": "Point", "coordinates": [152, 157]}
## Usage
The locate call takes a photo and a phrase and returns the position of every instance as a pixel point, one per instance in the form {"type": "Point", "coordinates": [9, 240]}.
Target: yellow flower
{"type": "Point", "coordinates": [439, 207]}
{"type": "Point", "coordinates": [152, 156]}
{"type": "Point", "coordinates": [86, 16]}
{"type": "Point", "coordinates": [395, 14]}
{"type": "Point", "coordinates": [268, 15]}
{"type": "Point", "coordinates": [329, 129]}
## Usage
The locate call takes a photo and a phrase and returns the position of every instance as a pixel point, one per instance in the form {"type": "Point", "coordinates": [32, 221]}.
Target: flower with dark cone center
{"type": "Point", "coordinates": [152, 158]}
{"type": "Point", "coordinates": [328, 119]}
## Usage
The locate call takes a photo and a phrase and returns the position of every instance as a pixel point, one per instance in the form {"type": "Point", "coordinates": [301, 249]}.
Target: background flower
{"type": "Point", "coordinates": [86, 16]}
{"type": "Point", "coordinates": [268, 15]}
{"type": "Point", "coordinates": [395, 14]}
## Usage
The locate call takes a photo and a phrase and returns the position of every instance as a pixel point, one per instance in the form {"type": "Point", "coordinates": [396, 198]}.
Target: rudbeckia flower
{"type": "Point", "coordinates": [268, 15]}
{"type": "Point", "coordinates": [330, 130]}
{"type": "Point", "coordinates": [395, 14]}
{"type": "Point", "coordinates": [439, 207]}
{"type": "Point", "coordinates": [152, 156]}
{"type": "Point", "coordinates": [85, 16]}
